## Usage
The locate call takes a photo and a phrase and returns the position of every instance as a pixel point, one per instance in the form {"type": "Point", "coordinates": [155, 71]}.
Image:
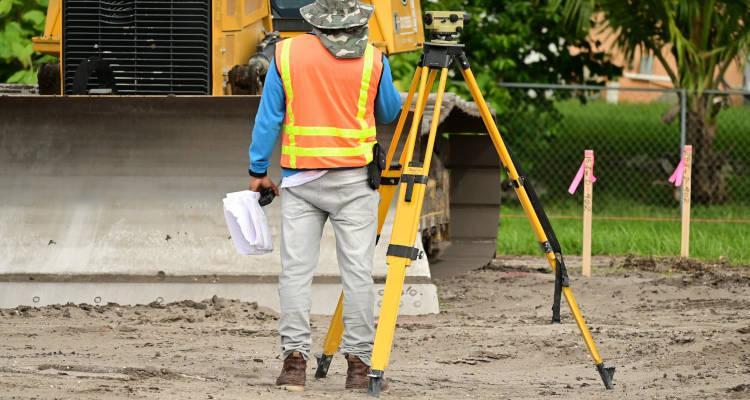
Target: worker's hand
{"type": "Point", "coordinates": [258, 184]}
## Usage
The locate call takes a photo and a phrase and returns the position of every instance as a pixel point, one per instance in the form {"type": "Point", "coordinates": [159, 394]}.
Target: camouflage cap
{"type": "Point", "coordinates": [336, 14]}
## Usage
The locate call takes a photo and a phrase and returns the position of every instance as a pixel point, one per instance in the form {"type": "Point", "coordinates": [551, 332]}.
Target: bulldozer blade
{"type": "Point", "coordinates": [118, 199]}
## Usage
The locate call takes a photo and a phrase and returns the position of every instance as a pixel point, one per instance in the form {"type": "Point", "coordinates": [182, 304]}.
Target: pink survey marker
{"type": "Point", "coordinates": [579, 175]}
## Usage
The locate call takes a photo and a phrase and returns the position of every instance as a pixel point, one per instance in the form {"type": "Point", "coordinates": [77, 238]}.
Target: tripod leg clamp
{"type": "Point", "coordinates": [393, 181]}
{"type": "Point", "coordinates": [410, 181]}
{"type": "Point", "coordinates": [398, 250]}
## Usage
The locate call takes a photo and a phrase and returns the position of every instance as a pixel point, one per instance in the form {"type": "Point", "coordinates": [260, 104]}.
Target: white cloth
{"type": "Point", "coordinates": [247, 223]}
{"type": "Point", "coordinates": [300, 178]}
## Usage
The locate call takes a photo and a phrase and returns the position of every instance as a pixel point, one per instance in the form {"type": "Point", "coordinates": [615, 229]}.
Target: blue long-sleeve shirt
{"type": "Point", "coordinates": [272, 110]}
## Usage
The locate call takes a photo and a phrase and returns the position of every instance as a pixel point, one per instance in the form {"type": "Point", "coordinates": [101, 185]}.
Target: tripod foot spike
{"type": "Point", "coordinates": [375, 383]}
{"type": "Point", "coordinates": [607, 373]}
{"type": "Point", "coordinates": [324, 362]}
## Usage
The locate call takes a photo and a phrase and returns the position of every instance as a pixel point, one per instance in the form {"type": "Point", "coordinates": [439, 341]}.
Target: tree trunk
{"type": "Point", "coordinates": [709, 183]}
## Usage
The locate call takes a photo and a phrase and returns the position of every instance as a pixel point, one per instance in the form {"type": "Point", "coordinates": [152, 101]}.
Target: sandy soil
{"type": "Point", "coordinates": [673, 330]}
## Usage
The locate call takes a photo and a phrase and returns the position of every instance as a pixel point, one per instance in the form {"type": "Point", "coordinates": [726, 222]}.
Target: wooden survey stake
{"type": "Point", "coordinates": [685, 241]}
{"type": "Point", "coordinates": [588, 194]}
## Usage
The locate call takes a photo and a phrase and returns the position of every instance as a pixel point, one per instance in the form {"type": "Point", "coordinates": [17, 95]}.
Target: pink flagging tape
{"type": "Point", "coordinates": [676, 177]}
{"type": "Point", "coordinates": [679, 172]}
{"type": "Point", "coordinates": [579, 175]}
{"type": "Point", "coordinates": [576, 180]}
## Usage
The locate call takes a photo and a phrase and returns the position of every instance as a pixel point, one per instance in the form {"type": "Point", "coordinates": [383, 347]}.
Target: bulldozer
{"type": "Point", "coordinates": [112, 174]}
{"type": "Point", "coordinates": [205, 47]}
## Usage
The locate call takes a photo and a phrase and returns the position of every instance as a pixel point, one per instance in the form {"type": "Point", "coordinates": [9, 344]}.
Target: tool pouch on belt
{"type": "Point", "coordinates": [375, 167]}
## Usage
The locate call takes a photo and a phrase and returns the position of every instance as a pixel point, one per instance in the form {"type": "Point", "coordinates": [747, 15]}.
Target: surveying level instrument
{"type": "Point", "coordinates": [444, 26]}
{"type": "Point", "coordinates": [409, 176]}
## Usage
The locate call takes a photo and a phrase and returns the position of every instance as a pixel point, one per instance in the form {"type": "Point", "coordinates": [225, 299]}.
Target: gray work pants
{"type": "Point", "coordinates": [344, 198]}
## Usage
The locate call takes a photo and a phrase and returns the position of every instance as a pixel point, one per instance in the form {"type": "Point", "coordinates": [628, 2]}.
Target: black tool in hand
{"type": "Point", "coordinates": [266, 197]}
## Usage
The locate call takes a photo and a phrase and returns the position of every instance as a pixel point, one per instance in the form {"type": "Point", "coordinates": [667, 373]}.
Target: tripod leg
{"type": "Point", "coordinates": [408, 150]}
{"type": "Point", "coordinates": [402, 118]}
{"type": "Point", "coordinates": [333, 339]}
{"type": "Point", "coordinates": [390, 177]}
{"type": "Point", "coordinates": [387, 190]}
{"type": "Point", "coordinates": [401, 250]}
{"type": "Point", "coordinates": [606, 373]}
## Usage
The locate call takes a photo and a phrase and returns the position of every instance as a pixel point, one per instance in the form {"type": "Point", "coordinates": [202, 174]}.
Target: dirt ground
{"type": "Point", "coordinates": [674, 330]}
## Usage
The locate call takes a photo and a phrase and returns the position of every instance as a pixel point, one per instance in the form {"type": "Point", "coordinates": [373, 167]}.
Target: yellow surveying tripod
{"type": "Point", "coordinates": [439, 53]}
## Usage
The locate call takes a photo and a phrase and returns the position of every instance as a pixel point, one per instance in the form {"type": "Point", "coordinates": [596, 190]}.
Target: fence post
{"type": "Point", "coordinates": [685, 237]}
{"type": "Point", "coordinates": [683, 126]}
{"type": "Point", "coordinates": [588, 194]}
{"type": "Point", "coordinates": [683, 118]}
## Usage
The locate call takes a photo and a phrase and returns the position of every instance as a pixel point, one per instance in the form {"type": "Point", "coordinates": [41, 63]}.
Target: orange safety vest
{"type": "Point", "coordinates": [330, 105]}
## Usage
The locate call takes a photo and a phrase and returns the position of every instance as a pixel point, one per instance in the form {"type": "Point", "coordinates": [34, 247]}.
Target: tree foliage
{"type": "Point", "coordinates": [20, 20]}
{"type": "Point", "coordinates": [517, 41]}
{"type": "Point", "coordinates": [705, 38]}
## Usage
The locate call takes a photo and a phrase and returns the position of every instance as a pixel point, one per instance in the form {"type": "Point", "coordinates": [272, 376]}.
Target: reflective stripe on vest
{"type": "Point", "coordinates": [346, 144]}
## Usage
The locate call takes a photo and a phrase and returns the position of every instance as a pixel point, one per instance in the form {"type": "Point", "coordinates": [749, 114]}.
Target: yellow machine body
{"type": "Point", "coordinates": [239, 25]}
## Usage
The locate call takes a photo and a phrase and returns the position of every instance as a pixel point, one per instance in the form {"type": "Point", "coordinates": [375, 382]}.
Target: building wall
{"type": "Point", "coordinates": [646, 71]}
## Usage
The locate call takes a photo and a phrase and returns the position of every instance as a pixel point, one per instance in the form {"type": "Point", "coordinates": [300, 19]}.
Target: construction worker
{"type": "Point", "coordinates": [324, 93]}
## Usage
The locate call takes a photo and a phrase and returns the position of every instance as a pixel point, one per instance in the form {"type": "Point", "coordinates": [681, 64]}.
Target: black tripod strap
{"type": "Point", "coordinates": [558, 292]}
{"type": "Point", "coordinates": [551, 245]}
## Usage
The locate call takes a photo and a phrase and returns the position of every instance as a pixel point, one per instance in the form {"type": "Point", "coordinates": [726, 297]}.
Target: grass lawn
{"type": "Point", "coordinates": [632, 145]}
{"type": "Point", "coordinates": [710, 239]}
{"type": "Point", "coordinates": [635, 151]}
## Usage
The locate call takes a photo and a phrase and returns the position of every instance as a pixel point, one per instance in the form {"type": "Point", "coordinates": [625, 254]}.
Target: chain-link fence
{"type": "Point", "coordinates": [637, 135]}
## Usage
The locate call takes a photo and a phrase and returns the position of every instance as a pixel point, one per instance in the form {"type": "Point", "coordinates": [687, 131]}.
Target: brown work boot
{"type": "Point", "coordinates": [293, 372]}
{"type": "Point", "coordinates": [356, 374]}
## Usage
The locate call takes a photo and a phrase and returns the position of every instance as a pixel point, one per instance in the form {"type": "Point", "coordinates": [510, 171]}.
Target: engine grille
{"type": "Point", "coordinates": [152, 47]}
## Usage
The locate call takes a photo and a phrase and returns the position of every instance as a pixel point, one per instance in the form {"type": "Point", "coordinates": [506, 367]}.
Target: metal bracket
{"type": "Point", "coordinates": [389, 181]}
{"type": "Point", "coordinates": [398, 250]}
{"type": "Point", "coordinates": [440, 55]}
{"type": "Point", "coordinates": [521, 181]}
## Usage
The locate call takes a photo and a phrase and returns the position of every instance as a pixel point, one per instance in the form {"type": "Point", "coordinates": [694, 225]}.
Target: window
{"type": "Point", "coordinates": [645, 71]}
{"type": "Point", "coordinates": [647, 64]}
